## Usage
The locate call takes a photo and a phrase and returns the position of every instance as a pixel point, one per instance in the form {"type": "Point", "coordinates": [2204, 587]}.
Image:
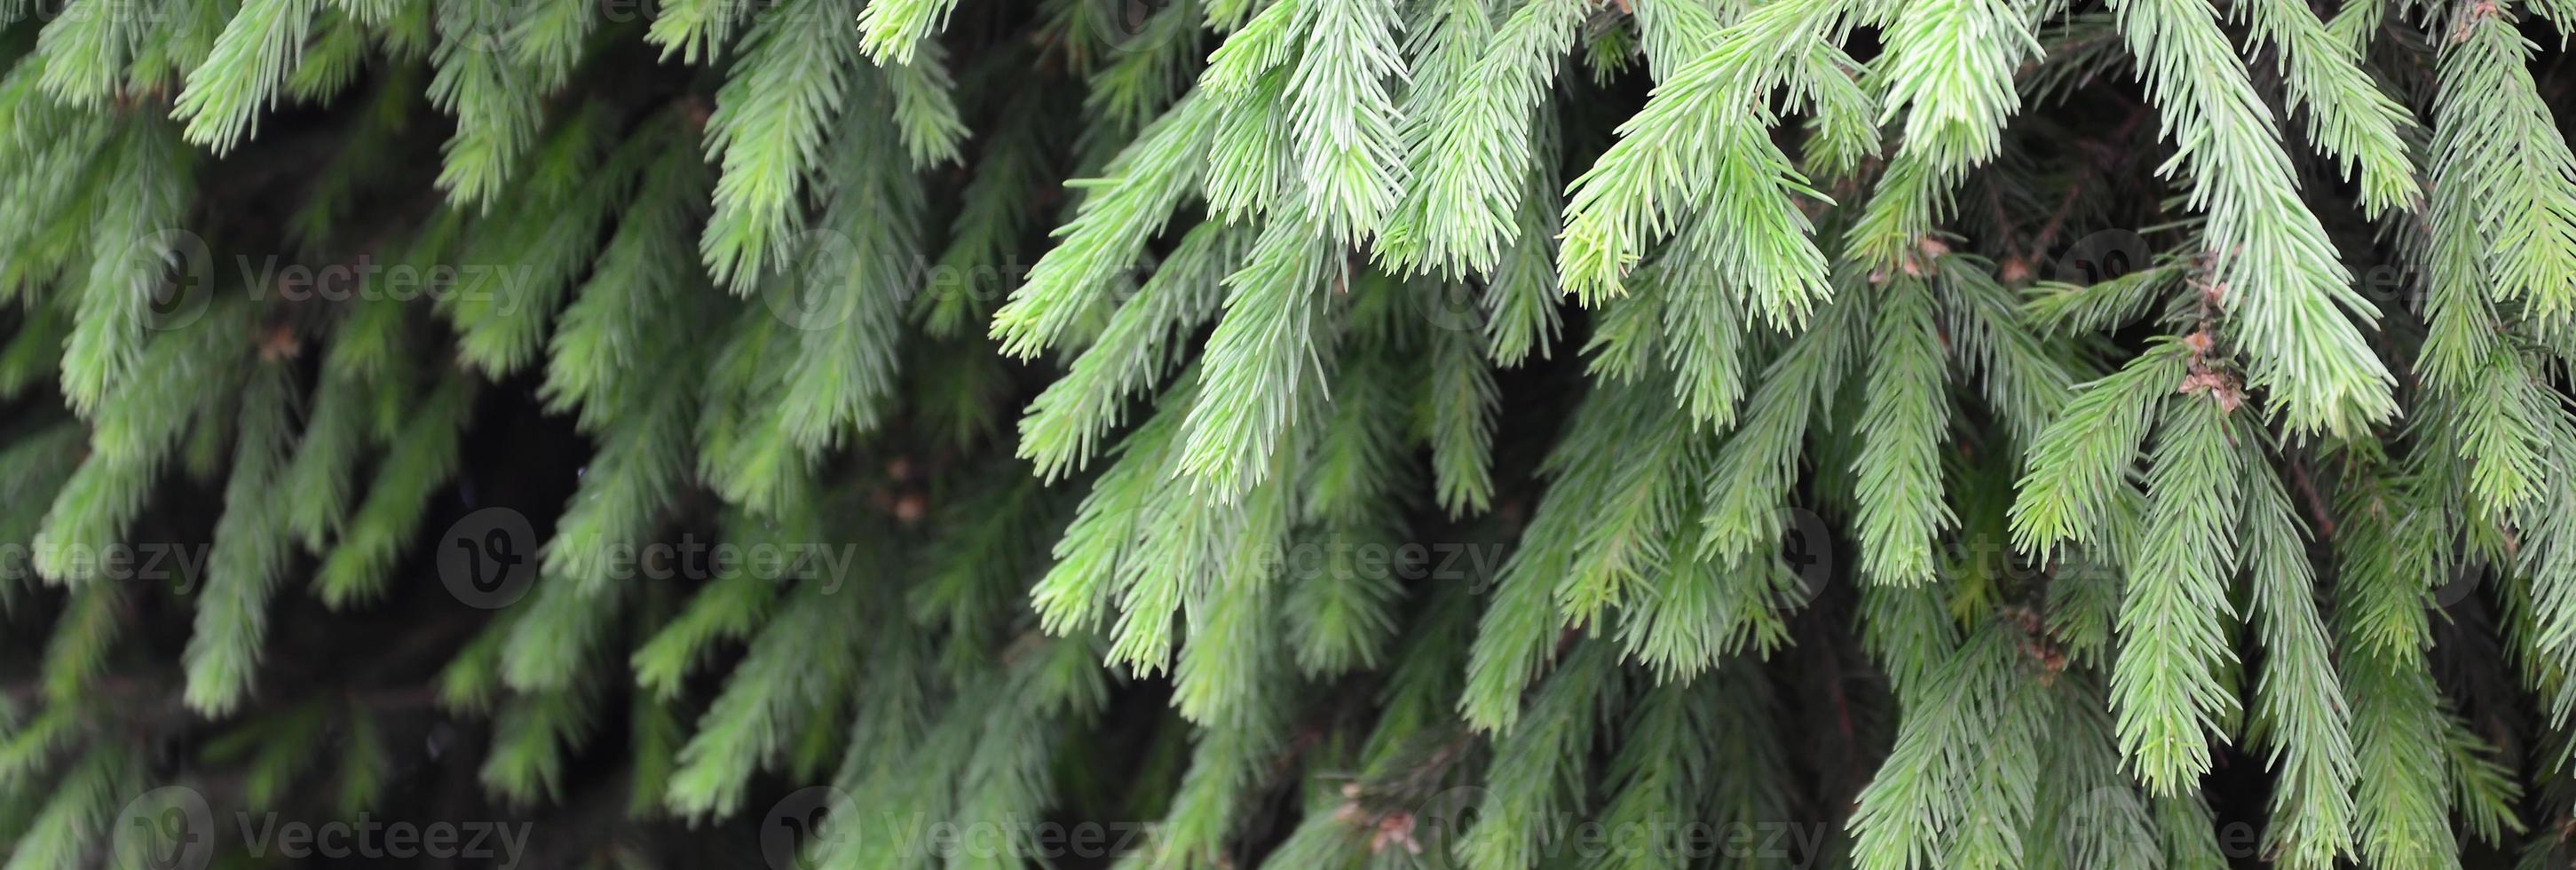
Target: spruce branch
{"type": "Point", "coordinates": [1902, 426]}
{"type": "Point", "coordinates": [2288, 296]}
{"type": "Point", "coordinates": [2165, 683]}
{"type": "Point", "coordinates": [1702, 142]}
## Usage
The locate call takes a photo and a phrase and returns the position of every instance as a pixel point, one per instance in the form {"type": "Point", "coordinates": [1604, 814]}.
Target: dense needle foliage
{"type": "Point", "coordinates": [1290, 434]}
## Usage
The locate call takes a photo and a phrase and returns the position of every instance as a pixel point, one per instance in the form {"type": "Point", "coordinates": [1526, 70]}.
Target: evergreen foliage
{"type": "Point", "coordinates": [1198, 434]}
